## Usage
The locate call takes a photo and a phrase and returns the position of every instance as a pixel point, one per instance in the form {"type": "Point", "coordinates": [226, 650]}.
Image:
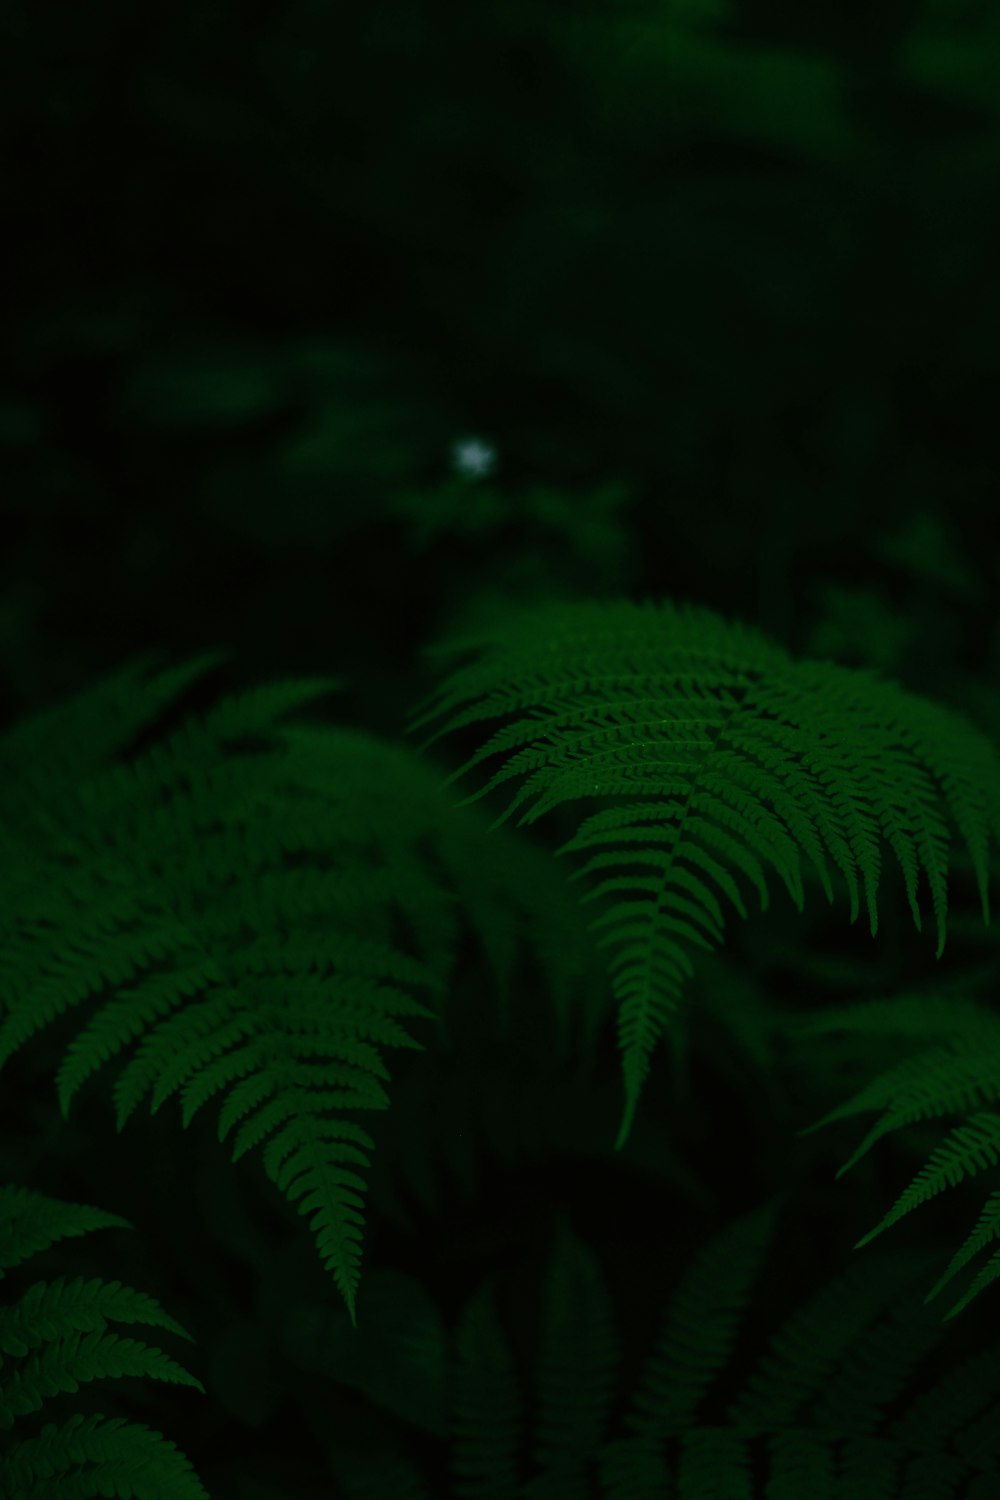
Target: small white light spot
{"type": "Point", "coordinates": [473, 457]}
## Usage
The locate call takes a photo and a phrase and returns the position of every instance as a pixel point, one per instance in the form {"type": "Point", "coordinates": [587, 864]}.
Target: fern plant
{"type": "Point", "coordinates": [718, 758]}
{"type": "Point", "coordinates": [958, 1072]}
{"type": "Point", "coordinates": [53, 1339]}
{"type": "Point", "coordinates": [850, 1395]}
{"type": "Point", "coordinates": [254, 906]}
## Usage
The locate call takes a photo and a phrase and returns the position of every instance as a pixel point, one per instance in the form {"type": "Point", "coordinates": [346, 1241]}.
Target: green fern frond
{"type": "Point", "coordinates": [943, 1080]}
{"type": "Point", "coordinates": [487, 1407]}
{"type": "Point", "coordinates": [575, 1371]}
{"type": "Point", "coordinates": [849, 1395]}
{"type": "Point", "coordinates": [816, 1396]}
{"type": "Point", "coordinates": [54, 1339]}
{"type": "Point", "coordinates": [700, 1328]}
{"type": "Point", "coordinates": [987, 1229]}
{"type": "Point", "coordinates": [51, 1308]}
{"type": "Point", "coordinates": [373, 1476]}
{"type": "Point", "coordinates": [970, 1148]}
{"type": "Point", "coordinates": [181, 855]}
{"type": "Point", "coordinates": [31, 1222]}
{"type": "Point", "coordinates": [238, 900]}
{"type": "Point", "coordinates": [51, 752]}
{"type": "Point", "coordinates": [95, 1456]}
{"type": "Point", "coordinates": [957, 1076]}
{"type": "Point", "coordinates": [744, 759]}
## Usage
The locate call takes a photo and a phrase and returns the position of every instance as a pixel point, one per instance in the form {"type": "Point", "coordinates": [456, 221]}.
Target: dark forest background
{"type": "Point", "coordinates": [330, 327]}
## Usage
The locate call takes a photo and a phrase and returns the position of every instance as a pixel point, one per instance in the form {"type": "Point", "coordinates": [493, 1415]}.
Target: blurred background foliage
{"type": "Point", "coordinates": [331, 327]}
{"type": "Point", "coordinates": [713, 281]}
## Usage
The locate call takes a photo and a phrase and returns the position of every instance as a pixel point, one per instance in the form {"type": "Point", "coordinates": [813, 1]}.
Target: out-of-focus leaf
{"type": "Point", "coordinates": [961, 63]}
{"type": "Point", "coordinates": [205, 387]}
{"type": "Point", "coordinates": [653, 76]}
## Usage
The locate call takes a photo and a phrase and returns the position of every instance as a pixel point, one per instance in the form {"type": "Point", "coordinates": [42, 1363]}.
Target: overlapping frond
{"type": "Point", "coordinates": [250, 908]}
{"type": "Point", "coordinates": [847, 1394]}
{"type": "Point", "coordinates": [957, 1075]}
{"type": "Point", "coordinates": [720, 760]}
{"type": "Point", "coordinates": [55, 1338]}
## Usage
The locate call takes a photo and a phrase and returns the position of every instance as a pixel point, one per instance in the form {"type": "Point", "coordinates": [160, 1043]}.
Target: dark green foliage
{"type": "Point", "coordinates": [252, 903]}
{"type": "Point", "coordinates": [849, 1394]}
{"type": "Point", "coordinates": [53, 1339]}
{"type": "Point", "coordinates": [240, 898]}
{"type": "Point", "coordinates": [745, 758]}
{"type": "Point", "coordinates": [958, 1073]}
{"type": "Point", "coordinates": [337, 330]}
